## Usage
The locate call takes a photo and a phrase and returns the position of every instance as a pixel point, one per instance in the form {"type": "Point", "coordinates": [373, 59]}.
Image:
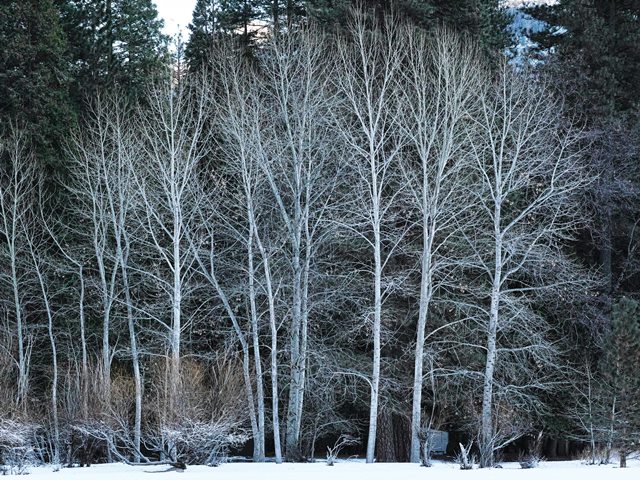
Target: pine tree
{"type": "Point", "coordinates": [34, 77]}
{"type": "Point", "coordinates": [238, 17]}
{"type": "Point", "coordinates": [113, 43]}
{"type": "Point", "coordinates": [484, 20]}
{"type": "Point", "coordinates": [596, 64]}
{"type": "Point", "coordinates": [204, 29]}
{"type": "Point", "coordinates": [619, 368]}
{"type": "Point", "coordinates": [241, 20]}
{"type": "Point", "coordinates": [599, 51]}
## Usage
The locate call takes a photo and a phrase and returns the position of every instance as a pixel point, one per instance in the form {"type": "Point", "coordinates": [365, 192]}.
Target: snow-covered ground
{"type": "Point", "coordinates": [346, 470]}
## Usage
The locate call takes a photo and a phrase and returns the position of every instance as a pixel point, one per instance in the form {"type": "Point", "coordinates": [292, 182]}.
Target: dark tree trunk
{"type": "Point", "coordinates": [551, 448]}
{"type": "Point", "coordinates": [393, 438]}
{"type": "Point", "coordinates": [563, 448]}
{"type": "Point", "coordinates": [385, 440]}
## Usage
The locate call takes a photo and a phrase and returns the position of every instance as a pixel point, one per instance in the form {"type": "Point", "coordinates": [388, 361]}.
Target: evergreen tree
{"type": "Point", "coordinates": [241, 20]}
{"type": "Point", "coordinates": [34, 77]}
{"type": "Point", "coordinates": [597, 65]}
{"type": "Point", "coordinates": [599, 51]}
{"type": "Point", "coordinates": [619, 368]}
{"type": "Point", "coordinates": [484, 20]}
{"type": "Point", "coordinates": [238, 17]}
{"type": "Point", "coordinates": [113, 43]}
{"type": "Point", "coordinates": [204, 28]}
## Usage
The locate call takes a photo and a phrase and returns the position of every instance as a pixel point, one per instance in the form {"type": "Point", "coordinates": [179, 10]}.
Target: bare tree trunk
{"type": "Point", "coordinates": [54, 378]}
{"type": "Point", "coordinates": [135, 356]}
{"type": "Point", "coordinates": [107, 302]}
{"type": "Point", "coordinates": [16, 195]}
{"type": "Point", "coordinates": [425, 297]}
{"type": "Point", "coordinates": [369, 69]}
{"type": "Point", "coordinates": [295, 387]}
{"type": "Point", "coordinates": [35, 256]}
{"type": "Point", "coordinates": [210, 273]}
{"type": "Point", "coordinates": [520, 153]}
{"type": "Point", "coordinates": [83, 343]}
{"type": "Point", "coordinates": [486, 428]}
{"type": "Point", "coordinates": [176, 307]}
{"type": "Point", "coordinates": [274, 353]}
{"type": "Point", "coordinates": [259, 440]}
{"type": "Point", "coordinates": [305, 319]}
{"type": "Point", "coordinates": [377, 320]}
{"type": "Point", "coordinates": [274, 346]}
{"type": "Point", "coordinates": [175, 139]}
{"type": "Point", "coordinates": [442, 72]}
{"type": "Point", "coordinates": [23, 370]}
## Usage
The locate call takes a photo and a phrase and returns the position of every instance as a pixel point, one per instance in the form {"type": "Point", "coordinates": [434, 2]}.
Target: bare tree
{"type": "Point", "coordinates": [529, 171]}
{"type": "Point", "coordinates": [17, 196]}
{"type": "Point", "coordinates": [439, 80]}
{"type": "Point", "coordinates": [77, 266]}
{"type": "Point", "coordinates": [104, 158]}
{"type": "Point", "coordinates": [91, 150]}
{"type": "Point", "coordinates": [239, 119]}
{"type": "Point", "coordinates": [369, 60]}
{"type": "Point", "coordinates": [174, 139]}
{"type": "Point", "coordinates": [294, 157]}
{"type": "Point", "coordinates": [38, 251]}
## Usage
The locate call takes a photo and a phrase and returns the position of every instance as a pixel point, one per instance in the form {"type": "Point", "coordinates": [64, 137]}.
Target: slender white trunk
{"type": "Point", "coordinates": [176, 325]}
{"type": "Point", "coordinates": [23, 375]}
{"type": "Point", "coordinates": [135, 356]}
{"type": "Point", "coordinates": [430, 205]}
{"type": "Point", "coordinates": [425, 300]}
{"type": "Point", "coordinates": [54, 380]}
{"type": "Point", "coordinates": [246, 359]}
{"type": "Point", "coordinates": [304, 340]}
{"type": "Point", "coordinates": [107, 303]}
{"type": "Point", "coordinates": [274, 348]}
{"type": "Point", "coordinates": [377, 321]}
{"type": "Point", "coordinates": [55, 441]}
{"type": "Point", "coordinates": [486, 428]}
{"type": "Point", "coordinates": [83, 339]}
{"type": "Point", "coordinates": [292, 439]}
{"type": "Point", "coordinates": [258, 440]}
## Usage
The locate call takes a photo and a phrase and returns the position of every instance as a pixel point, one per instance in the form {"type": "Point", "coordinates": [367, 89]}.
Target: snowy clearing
{"type": "Point", "coordinates": [345, 470]}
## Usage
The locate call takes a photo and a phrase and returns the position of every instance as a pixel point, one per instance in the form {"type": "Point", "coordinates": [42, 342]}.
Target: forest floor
{"type": "Point", "coordinates": [345, 470]}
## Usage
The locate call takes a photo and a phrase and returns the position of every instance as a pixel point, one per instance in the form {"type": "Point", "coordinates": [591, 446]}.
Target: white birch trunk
{"type": "Point", "coordinates": [259, 439]}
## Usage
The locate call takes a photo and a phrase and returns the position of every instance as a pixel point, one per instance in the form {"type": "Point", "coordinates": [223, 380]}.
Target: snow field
{"type": "Point", "coordinates": [345, 470]}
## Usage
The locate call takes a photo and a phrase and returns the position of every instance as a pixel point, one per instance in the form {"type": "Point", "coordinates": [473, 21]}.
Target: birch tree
{"type": "Point", "coordinates": [294, 157]}
{"type": "Point", "coordinates": [17, 195]}
{"type": "Point", "coordinates": [529, 171]}
{"type": "Point", "coordinates": [439, 78]}
{"type": "Point", "coordinates": [174, 139]}
{"type": "Point", "coordinates": [369, 63]}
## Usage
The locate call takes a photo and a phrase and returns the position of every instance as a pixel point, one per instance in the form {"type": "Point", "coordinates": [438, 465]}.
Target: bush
{"type": "Point", "coordinates": [342, 441]}
{"type": "Point", "coordinates": [534, 457]}
{"type": "Point", "coordinates": [464, 457]}
{"type": "Point", "coordinates": [16, 447]}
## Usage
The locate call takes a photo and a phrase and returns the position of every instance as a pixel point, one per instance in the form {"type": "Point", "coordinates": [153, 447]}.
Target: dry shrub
{"type": "Point", "coordinates": [91, 421]}
{"type": "Point", "coordinates": [17, 433]}
{"type": "Point", "coordinates": [17, 451]}
{"type": "Point", "coordinates": [121, 406]}
{"type": "Point", "coordinates": [8, 387]}
{"type": "Point", "coordinates": [205, 420]}
{"type": "Point", "coordinates": [534, 457]}
{"type": "Point", "coordinates": [464, 458]}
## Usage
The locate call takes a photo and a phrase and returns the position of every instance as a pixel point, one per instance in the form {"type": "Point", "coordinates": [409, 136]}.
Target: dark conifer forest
{"type": "Point", "coordinates": [315, 228]}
